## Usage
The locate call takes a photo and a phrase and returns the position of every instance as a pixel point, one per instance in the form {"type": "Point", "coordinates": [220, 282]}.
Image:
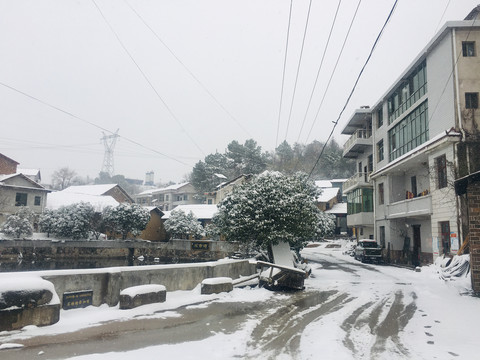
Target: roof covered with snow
{"type": "Point", "coordinates": [201, 211]}
{"type": "Point", "coordinates": [58, 199]}
{"type": "Point", "coordinates": [99, 189]}
{"type": "Point", "coordinates": [340, 208]}
{"type": "Point", "coordinates": [28, 172]}
{"type": "Point", "coordinates": [328, 194]}
{"type": "Point", "coordinates": [323, 184]}
{"type": "Point", "coordinates": [165, 189]}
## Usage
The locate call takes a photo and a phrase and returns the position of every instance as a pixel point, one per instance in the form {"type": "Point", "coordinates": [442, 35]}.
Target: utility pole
{"type": "Point", "coordinates": [109, 144]}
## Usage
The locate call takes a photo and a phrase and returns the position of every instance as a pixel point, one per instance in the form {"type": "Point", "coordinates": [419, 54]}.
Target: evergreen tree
{"type": "Point", "coordinates": [270, 208]}
{"type": "Point", "coordinates": [181, 225]}
{"type": "Point", "coordinates": [126, 218]}
{"type": "Point", "coordinates": [74, 221]}
{"type": "Point", "coordinates": [48, 222]}
{"type": "Point", "coordinates": [19, 224]}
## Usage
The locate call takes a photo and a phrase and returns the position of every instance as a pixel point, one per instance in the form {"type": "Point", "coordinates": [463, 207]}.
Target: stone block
{"type": "Point", "coordinates": [30, 301]}
{"type": "Point", "coordinates": [216, 285]}
{"type": "Point", "coordinates": [17, 318]}
{"type": "Point", "coordinates": [25, 298]}
{"type": "Point", "coordinates": [135, 296]}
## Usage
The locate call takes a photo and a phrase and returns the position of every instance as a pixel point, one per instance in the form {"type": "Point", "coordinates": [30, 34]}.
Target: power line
{"type": "Point", "coordinates": [146, 78]}
{"type": "Point", "coordinates": [335, 123]}
{"type": "Point", "coordinates": [284, 68]}
{"type": "Point", "coordinates": [441, 17]}
{"type": "Point", "coordinates": [87, 122]}
{"type": "Point", "coordinates": [188, 70]}
{"type": "Point", "coordinates": [334, 70]}
{"type": "Point", "coordinates": [298, 67]}
{"type": "Point", "coordinates": [319, 69]}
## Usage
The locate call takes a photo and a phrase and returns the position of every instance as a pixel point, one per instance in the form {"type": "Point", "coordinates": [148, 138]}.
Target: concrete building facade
{"type": "Point", "coordinates": [424, 133]}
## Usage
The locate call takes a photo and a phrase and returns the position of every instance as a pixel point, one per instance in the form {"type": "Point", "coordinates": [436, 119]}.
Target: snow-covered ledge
{"type": "Point", "coordinates": [31, 301]}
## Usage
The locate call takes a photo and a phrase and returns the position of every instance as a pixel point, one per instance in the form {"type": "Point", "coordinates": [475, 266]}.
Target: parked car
{"type": "Point", "coordinates": [368, 250]}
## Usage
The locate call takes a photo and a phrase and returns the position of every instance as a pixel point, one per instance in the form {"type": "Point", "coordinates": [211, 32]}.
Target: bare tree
{"type": "Point", "coordinates": [63, 178]}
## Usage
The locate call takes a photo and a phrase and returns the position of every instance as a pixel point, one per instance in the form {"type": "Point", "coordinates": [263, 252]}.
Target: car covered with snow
{"type": "Point", "coordinates": [368, 250]}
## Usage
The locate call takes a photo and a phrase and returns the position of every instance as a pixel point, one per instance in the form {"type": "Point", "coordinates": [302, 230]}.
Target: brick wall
{"type": "Point", "coordinates": [7, 165]}
{"type": "Point", "coordinates": [473, 196]}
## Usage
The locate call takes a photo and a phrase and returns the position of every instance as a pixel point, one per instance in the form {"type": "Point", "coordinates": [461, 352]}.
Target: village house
{"type": "Point", "coordinates": [169, 197]}
{"type": "Point", "coordinates": [413, 144]}
{"type": "Point", "coordinates": [17, 189]}
{"type": "Point", "coordinates": [225, 188]}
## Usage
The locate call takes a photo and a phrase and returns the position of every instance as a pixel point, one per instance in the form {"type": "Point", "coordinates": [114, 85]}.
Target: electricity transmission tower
{"type": "Point", "coordinates": [109, 144]}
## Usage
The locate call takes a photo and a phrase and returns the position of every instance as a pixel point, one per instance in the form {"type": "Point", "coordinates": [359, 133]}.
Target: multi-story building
{"type": "Point", "coordinates": [358, 188]}
{"type": "Point", "coordinates": [424, 136]}
{"type": "Point", "coordinates": [168, 198]}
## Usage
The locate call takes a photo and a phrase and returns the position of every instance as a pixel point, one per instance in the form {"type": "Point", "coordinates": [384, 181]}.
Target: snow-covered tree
{"type": "Point", "coordinates": [126, 218]}
{"type": "Point", "coordinates": [270, 208]}
{"type": "Point", "coordinates": [181, 225]}
{"type": "Point", "coordinates": [74, 221]}
{"type": "Point", "coordinates": [19, 224]}
{"type": "Point", "coordinates": [48, 221]}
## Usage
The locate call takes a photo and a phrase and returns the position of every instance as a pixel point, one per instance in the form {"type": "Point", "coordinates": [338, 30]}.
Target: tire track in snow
{"type": "Point", "coordinates": [280, 333]}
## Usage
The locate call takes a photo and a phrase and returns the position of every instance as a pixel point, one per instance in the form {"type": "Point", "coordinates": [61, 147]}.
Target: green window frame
{"type": "Point", "coordinates": [409, 133]}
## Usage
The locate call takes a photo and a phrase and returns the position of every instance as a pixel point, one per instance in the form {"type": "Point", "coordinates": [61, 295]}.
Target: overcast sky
{"type": "Point", "coordinates": [181, 79]}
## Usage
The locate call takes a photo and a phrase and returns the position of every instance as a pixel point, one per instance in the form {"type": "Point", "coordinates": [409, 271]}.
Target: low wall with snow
{"type": "Point", "coordinates": [107, 283]}
{"type": "Point", "coordinates": [182, 250]}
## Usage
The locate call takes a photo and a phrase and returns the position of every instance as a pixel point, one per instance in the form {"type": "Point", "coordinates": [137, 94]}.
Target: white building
{"type": "Point", "coordinates": [419, 137]}
{"type": "Point", "coordinates": [169, 197]}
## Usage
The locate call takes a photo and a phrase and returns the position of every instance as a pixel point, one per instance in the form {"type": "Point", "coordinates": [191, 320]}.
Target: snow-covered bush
{"type": "Point", "coordinates": [19, 224]}
{"type": "Point", "coordinates": [126, 218]}
{"type": "Point", "coordinates": [74, 221]}
{"type": "Point", "coordinates": [48, 222]}
{"type": "Point", "coordinates": [270, 208]}
{"type": "Point", "coordinates": [181, 225]}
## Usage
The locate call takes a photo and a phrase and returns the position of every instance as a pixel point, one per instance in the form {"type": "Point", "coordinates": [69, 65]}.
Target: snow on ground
{"type": "Point", "coordinates": [443, 317]}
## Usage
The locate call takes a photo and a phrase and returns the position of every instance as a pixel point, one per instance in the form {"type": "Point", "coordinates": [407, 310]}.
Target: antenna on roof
{"type": "Point", "coordinates": [109, 144]}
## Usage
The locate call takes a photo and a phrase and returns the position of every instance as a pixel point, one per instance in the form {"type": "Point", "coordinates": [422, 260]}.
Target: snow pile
{"type": "Point", "coordinates": [27, 285]}
{"type": "Point", "coordinates": [142, 289]}
{"type": "Point", "coordinates": [457, 267]}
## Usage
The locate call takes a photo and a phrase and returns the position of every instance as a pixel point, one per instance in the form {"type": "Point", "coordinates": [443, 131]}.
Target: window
{"type": "Point", "coordinates": [381, 195]}
{"type": "Point", "coordinates": [382, 236]}
{"type": "Point", "coordinates": [380, 155]}
{"type": "Point", "coordinates": [38, 201]}
{"type": "Point", "coordinates": [408, 93]}
{"type": "Point", "coordinates": [209, 201]}
{"type": "Point", "coordinates": [409, 133]}
{"type": "Point", "coordinates": [413, 182]}
{"type": "Point", "coordinates": [370, 163]}
{"type": "Point", "coordinates": [185, 197]}
{"type": "Point", "coordinates": [179, 197]}
{"type": "Point", "coordinates": [441, 167]}
{"type": "Point", "coordinates": [360, 169]}
{"type": "Point", "coordinates": [360, 200]}
{"type": "Point", "coordinates": [468, 48]}
{"type": "Point", "coordinates": [21, 199]}
{"type": "Point", "coordinates": [166, 197]}
{"type": "Point", "coordinates": [471, 100]}
{"type": "Point", "coordinates": [380, 118]}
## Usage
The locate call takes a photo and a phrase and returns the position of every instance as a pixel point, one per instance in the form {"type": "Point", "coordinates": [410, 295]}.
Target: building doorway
{"type": "Point", "coordinates": [445, 236]}
{"type": "Point", "coordinates": [417, 245]}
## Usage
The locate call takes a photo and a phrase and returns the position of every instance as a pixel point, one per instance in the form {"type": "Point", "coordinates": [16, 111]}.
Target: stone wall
{"type": "Point", "coordinates": [107, 283]}
{"type": "Point", "coordinates": [179, 250]}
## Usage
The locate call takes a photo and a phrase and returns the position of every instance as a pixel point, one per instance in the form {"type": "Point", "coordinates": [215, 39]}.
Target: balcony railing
{"type": "Point", "coordinates": [357, 180]}
{"type": "Point", "coordinates": [409, 208]}
{"type": "Point", "coordinates": [360, 138]}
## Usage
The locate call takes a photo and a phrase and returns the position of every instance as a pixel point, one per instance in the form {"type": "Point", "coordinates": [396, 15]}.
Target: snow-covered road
{"type": "Point", "coordinates": [348, 310]}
